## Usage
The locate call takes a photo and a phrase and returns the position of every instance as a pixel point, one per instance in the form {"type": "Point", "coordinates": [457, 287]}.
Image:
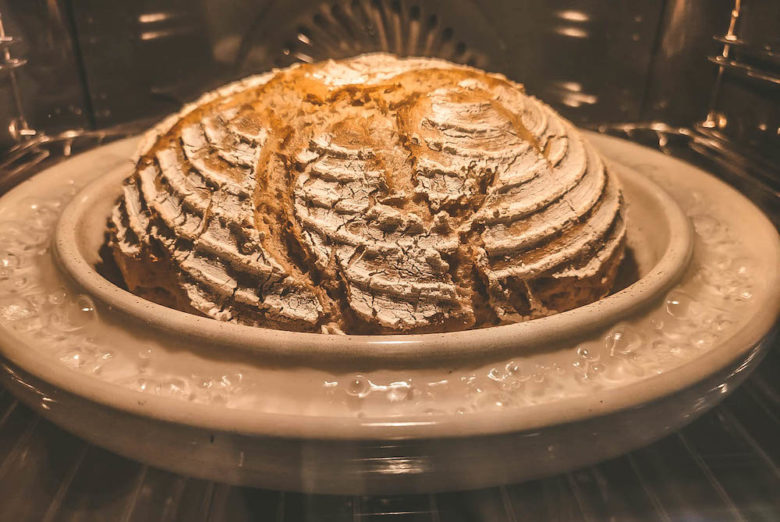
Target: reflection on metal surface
{"type": "Point", "coordinates": [573, 32]}
{"type": "Point", "coordinates": [45, 401]}
{"type": "Point", "coordinates": [18, 128]}
{"type": "Point", "coordinates": [747, 171]}
{"type": "Point", "coordinates": [745, 70]}
{"type": "Point", "coordinates": [573, 16]}
{"type": "Point", "coordinates": [730, 35]}
{"type": "Point", "coordinates": [164, 33]}
{"type": "Point", "coordinates": [398, 466]}
{"type": "Point", "coordinates": [347, 28]}
{"type": "Point", "coordinates": [24, 159]}
{"type": "Point", "coordinates": [149, 18]}
{"type": "Point", "coordinates": [314, 30]}
{"type": "Point", "coordinates": [570, 94]}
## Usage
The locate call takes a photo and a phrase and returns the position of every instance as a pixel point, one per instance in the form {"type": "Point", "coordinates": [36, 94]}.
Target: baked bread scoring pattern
{"type": "Point", "coordinates": [369, 195]}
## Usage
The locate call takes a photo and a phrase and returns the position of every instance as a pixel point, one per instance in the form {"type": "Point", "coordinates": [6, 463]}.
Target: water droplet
{"type": "Point", "coordinates": [58, 296]}
{"type": "Point", "coordinates": [74, 315]}
{"type": "Point", "coordinates": [658, 344]}
{"type": "Point", "coordinates": [721, 323]}
{"type": "Point", "coordinates": [743, 267]}
{"type": "Point", "coordinates": [175, 387]}
{"type": "Point", "coordinates": [583, 352]}
{"type": "Point", "coordinates": [75, 358]}
{"type": "Point", "coordinates": [9, 261]}
{"type": "Point", "coordinates": [496, 375]}
{"type": "Point", "coordinates": [15, 308]}
{"type": "Point", "coordinates": [492, 401]}
{"type": "Point", "coordinates": [623, 340]}
{"type": "Point", "coordinates": [358, 386]}
{"type": "Point", "coordinates": [705, 225]}
{"type": "Point", "coordinates": [82, 311]}
{"type": "Point", "coordinates": [232, 380]}
{"type": "Point", "coordinates": [595, 369]}
{"type": "Point", "coordinates": [399, 391]}
{"type": "Point", "coordinates": [704, 340]}
{"type": "Point", "coordinates": [680, 304]}
{"type": "Point", "coordinates": [513, 368]}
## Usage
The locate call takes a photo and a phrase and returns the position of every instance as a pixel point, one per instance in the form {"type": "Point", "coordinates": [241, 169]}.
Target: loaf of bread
{"type": "Point", "coordinates": [369, 195]}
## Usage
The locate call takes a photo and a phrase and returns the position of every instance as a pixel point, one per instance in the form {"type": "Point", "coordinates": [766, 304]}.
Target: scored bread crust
{"type": "Point", "coordinates": [369, 195]}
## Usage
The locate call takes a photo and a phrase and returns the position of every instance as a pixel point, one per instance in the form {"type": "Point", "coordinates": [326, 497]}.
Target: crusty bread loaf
{"type": "Point", "coordinates": [369, 195]}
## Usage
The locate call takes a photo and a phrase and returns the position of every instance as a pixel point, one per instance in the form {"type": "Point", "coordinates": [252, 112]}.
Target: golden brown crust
{"type": "Point", "coordinates": [369, 195]}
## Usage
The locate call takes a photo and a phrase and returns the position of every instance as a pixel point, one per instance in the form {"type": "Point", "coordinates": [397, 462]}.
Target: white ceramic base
{"type": "Point", "coordinates": [251, 417]}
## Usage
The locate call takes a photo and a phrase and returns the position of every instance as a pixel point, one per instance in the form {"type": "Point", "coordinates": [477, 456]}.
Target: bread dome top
{"type": "Point", "coordinates": [369, 195]}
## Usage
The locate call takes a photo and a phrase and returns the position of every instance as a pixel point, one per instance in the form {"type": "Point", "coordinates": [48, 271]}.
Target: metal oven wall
{"type": "Point", "coordinates": [95, 64]}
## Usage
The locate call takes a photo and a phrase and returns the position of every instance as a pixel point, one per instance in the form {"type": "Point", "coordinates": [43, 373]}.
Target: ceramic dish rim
{"type": "Point", "coordinates": [392, 350]}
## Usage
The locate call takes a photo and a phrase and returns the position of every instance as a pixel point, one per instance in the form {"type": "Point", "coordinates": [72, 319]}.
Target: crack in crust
{"type": "Point", "coordinates": [369, 195]}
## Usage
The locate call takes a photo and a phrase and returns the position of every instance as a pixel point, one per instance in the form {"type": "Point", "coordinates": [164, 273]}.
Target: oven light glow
{"type": "Point", "coordinates": [573, 16]}
{"type": "Point", "coordinates": [150, 18]}
{"type": "Point", "coordinates": [573, 32]}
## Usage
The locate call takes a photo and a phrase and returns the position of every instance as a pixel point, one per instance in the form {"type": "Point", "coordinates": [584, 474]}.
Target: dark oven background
{"type": "Point", "coordinates": [93, 64]}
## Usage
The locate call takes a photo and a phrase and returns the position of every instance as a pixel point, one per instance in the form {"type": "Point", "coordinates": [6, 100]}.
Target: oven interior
{"type": "Point", "coordinates": [699, 81]}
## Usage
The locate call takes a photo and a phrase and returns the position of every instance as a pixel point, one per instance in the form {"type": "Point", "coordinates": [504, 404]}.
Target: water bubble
{"type": "Point", "coordinates": [595, 369]}
{"type": "Point", "coordinates": [74, 315]}
{"type": "Point", "coordinates": [721, 323]}
{"type": "Point", "coordinates": [144, 359]}
{"type": "Point", "coordinates": [704, 340]}
{"type": "Point", "coordinates": [40, 213]}
{"type": "Point", "coordinates": [676, 348]}
{"type": "Point", "coordinates": [743, 267]}
{"type": "Point", "coordinates": [744, 295]}
{"type": "Point", "coordinates": [705, 225]}
{"type": "Point", "coordinates": [399, 391]}
{"type": "Point", "coordinates": [584, 352]}
{"type": "Point", "coordinates": [175, 387]}
{"type": "Point", "coordinates": [15, 308]}
{"type": "Point", "coordinates": [58, 296]}
{"type": "Point", "coordinates": [74, 359]}
{"type": "Point", "coordinates": [358, 386]}
{"type": "Point", "coordinates": [9, 261]}
{"type": "Point", "coordinates": [680, 305]}
{"type": "Point", "coordinates": [82, 311]}
{"type": "Point", "coordinates": [622, 340]}
{"type": "Point", "coordinates": [496, 375]}
{"type": "Point", "coordinates": [17, 235]}
{"type": "Point", "coordinates": [231, 380]}
{"type": "Point", "coordinates": [658, 344]}
{"type": "Point", "coordinates": [15, 285]}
